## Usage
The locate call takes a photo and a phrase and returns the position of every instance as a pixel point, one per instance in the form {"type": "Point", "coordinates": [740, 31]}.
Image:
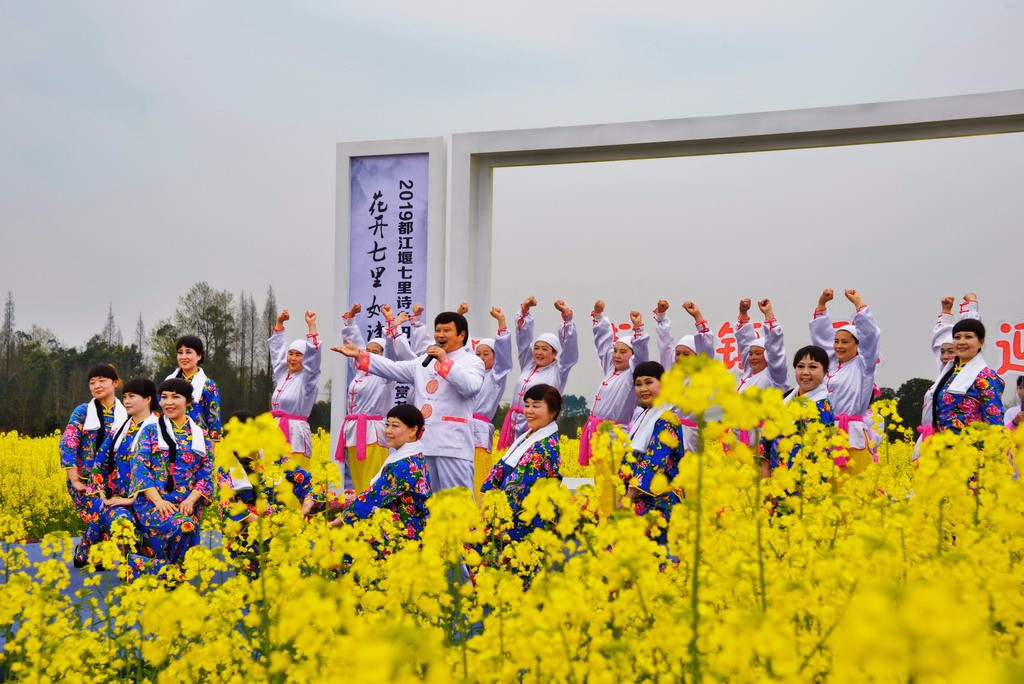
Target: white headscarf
{"type": "Point", "coordinates": [626, 340]}
{"type": "Point", "coordinates": [688, 341]}
{"type": "Point", "coordinates": [550, 339]}
{"type": "Point", "coordinates": [852, 329]}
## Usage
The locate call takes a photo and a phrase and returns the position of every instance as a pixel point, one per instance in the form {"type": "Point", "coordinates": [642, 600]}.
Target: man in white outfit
{"type": "Point", "coordinates": [446, 378]}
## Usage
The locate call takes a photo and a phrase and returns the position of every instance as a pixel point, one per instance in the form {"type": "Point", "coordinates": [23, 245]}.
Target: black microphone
{"type": "Point", "coordinates": [427, 359]}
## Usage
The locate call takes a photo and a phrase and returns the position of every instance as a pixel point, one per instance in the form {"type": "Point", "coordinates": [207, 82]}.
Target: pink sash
{"type": "Point", "coordinates": [284, 421]}
{"type": "Point", "coordinates": [589, 428]}
{"type": "Point", "coordinates": [843, 421]}
{"type": "Point", "coordinates": [482, 418]}
{"type": "Point", "coordinates": [507, 435]}
{"type": "Point", "coordinates": [361, 420]}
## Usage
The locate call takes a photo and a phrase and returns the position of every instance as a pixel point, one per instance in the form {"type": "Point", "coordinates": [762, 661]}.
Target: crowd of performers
{"type": "Point", "coordinates": [148, 459]}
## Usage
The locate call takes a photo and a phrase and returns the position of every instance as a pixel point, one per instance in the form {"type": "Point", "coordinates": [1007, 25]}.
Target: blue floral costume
{"type": "Point", "coordinates": [825, 417]}
{"type": "Point", "coordinates": [402, 488]}
{"type": "Point", "coordinates": [665, 449]}
{"type": "Point", "coordinates": [169, 539]}
{"type": "Point", "coordinates": [206, 411]}
{"type": "Point", "coordinates": [77, 450]}
{"type": "Point", "coordinates": [541, 460]}
{"type": "Point", "coordinates": [110, 477]}
{"type": "Point", "coordinates": [981, 403]}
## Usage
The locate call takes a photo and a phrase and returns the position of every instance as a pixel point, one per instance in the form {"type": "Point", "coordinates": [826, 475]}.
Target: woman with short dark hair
{"type": "Point", "coordinates": [810, 366]}
{"type": "Point", "coordinates": [401, 485]}
{"type": "Point", "coordinates": [204, 408]}
{"type": "Point", "coordinates": [532, 457]}
{"type": "Point", "coordinates": [968, 390]}
{"type": "Point", "coordinates": [110, 477]}
{"type": "Point", "coordinates": [172, 469]}
{"type": "Point", "coordinates": [658, 447]}
{"type": "Point", "coordinates": [90, 425]}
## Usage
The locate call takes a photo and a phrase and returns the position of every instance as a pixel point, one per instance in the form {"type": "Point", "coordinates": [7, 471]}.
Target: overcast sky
{"type": "Point", "coordinates": [145, 146]}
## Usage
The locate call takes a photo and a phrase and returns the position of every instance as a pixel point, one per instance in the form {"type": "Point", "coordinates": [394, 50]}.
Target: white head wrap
{"type": "Point", "coordinates": [852, 329]}
{"type": "Point", "coordinates": [758, 342]}
{"type": "Point", "coordinates": [626, 340]}
{"type": "Point", "coordinates": [550, 339]}
{"type": "Point", "coordinates": [486, 342]}
{"type": "Point", "coordinates": [688, 341]}
{"type": "Point", "coordinates": [378, 341]}
{"type": "Point", "coordinates": [298, 346]}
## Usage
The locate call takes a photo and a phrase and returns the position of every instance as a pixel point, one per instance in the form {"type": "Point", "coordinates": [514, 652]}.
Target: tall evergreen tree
{"type": "Point", "coordinates": [7, 336]}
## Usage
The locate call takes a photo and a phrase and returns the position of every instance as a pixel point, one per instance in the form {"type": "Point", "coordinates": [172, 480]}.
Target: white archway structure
{"type": "Point", "coordinates": [474, 156]}
{"type": "Point", "coordinates": [465, 258]}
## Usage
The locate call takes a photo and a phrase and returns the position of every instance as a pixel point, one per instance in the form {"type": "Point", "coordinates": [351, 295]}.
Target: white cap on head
{"type": "Point", "coordinates": [758, 342]}
{"type": "Point", "coordinates": [626, 340]}
{"type": "Point", "coordinates": [852, 329]}
{"type": "Point", "coordinates": [549, 339]}
{"type": "Point", "coordinates": [378, 341]}
{"type": "Point", "coordinates": [688, 341]}
{"type": "Point", "coordinates": [947, 337]}
{"type": "Point", "coordinates": [298, 346]}
{"type": "Point", "coordinates": [486, 342]}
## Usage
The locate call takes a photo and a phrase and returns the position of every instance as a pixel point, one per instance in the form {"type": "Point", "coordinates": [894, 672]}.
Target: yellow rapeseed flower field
{"type": "Point", "coordinates": [902, 573]}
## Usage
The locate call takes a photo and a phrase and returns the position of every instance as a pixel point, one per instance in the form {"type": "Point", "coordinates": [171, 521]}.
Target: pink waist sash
{"type": "Point", "coordinates": [589, 428]}
{"type": "Point", "coordinates": [843, 421]}
{"type": "Point", "coordinates": [284, 421]}
{"type": "Point", "coordinates": [361, 420]}
{"type": "Point", "coordinates": [506, 437]}
{"type": "Point", "coordinates": [481, 417]}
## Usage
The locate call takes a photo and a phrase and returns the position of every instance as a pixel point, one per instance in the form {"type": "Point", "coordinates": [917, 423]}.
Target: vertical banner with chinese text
{"type": "Point", "coordinates": [387, 239]}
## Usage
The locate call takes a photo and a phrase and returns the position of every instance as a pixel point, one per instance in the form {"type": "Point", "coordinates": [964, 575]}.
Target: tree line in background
{"type": "Point", "coordinates": [41, 380]}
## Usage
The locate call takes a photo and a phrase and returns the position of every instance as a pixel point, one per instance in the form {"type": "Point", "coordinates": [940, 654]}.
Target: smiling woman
{"type": "Point", "coordinates": [89, 426]}
{"type": "Point", "coordinates": [968, 391]}
{"type": "Point", "coordinates": [204, 407]}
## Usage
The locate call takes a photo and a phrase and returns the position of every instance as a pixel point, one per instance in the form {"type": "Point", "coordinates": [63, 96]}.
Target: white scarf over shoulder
{"type": "Point", "coordinates": [642, 431]}
{"type": "Point", "coordinates": [518, 448]}
{"type": "Point", "coordinates": [198, 441]}
{"type": "Point", "coordinates": [151, 420]}
{"type": "Point", "coordinates": [967, 375]}
{"type": "Point", "coordinates": [407, 450]}
{"type": "Point", "coordinates": [198, 381]}
{"type": "Point", "coordinates": [93, 421]}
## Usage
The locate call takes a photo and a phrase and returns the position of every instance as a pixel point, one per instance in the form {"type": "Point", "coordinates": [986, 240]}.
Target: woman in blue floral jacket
{"type": "Point", "coordinates": [531, 457]}
{"type": "Point", "coordinates": [401, 485]}
{"type": "Point", "coordinates": [967, 391]}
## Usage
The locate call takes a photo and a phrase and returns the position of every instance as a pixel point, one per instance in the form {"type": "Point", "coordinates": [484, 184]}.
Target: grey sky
{"type": "Point", "coordinates": [144, 146]}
